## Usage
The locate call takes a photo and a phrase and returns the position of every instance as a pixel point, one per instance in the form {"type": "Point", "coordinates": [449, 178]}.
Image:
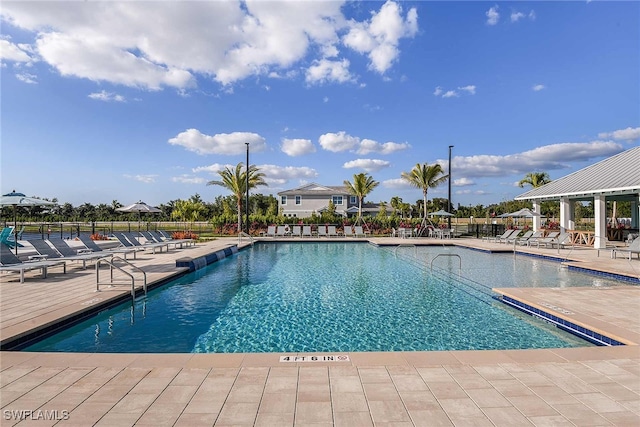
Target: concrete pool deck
{"type": "Point", "coordinates": [583, 386]}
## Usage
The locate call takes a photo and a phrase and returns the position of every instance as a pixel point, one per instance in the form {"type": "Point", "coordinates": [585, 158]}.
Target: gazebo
{"type": "Point", "coordinates": [616, 178]}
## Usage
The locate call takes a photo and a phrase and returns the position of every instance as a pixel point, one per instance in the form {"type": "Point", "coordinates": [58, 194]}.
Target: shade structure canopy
{"type": "Point", "coordinates": [16, 200]}
{"type": "Point", "coordinates": [441, 212]}
{"type": "Point", "coordinates": [139, 207]}
{"type": "Point", "coordinates": [522, 213]}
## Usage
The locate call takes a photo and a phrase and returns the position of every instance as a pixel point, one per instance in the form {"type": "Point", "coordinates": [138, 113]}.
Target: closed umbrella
{"type": "Point", "coordinates": [139, 207]}
{"type": "Point", "coordinates": [18, 199]}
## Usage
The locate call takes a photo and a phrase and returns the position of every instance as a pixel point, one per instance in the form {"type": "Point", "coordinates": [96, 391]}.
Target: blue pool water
{"type": "Point", "coordinates": [293, 297]}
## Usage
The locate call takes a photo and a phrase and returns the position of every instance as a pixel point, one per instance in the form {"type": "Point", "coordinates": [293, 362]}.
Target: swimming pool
{"type": "Point", "coordinates": [316, 297]}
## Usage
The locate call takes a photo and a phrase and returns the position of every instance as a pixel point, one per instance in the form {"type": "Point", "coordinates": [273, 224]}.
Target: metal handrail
{"type": "Point", "coordinates": [243, 234]}
{"type": "Point", "coordinates": [112, 266]}
{"type": "Point", "coordinates": [447, 255]}
{"type": "Point", "coordinates": [406, 245]}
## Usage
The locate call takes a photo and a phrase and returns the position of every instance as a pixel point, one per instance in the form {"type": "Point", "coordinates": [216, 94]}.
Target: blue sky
{"type": "Point", "coordinates": [124, 101]}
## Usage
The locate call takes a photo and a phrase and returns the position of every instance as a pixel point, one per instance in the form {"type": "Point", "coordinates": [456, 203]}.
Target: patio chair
{"type": "Point", "coordinates": [633, 248]}
{"type": "Point", "coordinates": [271, 231]}
{"type": "Point", "coordinates": [359, 232]}
{"type": "Point", "coordinates": [306, 231]}
{"type": "Point", "coordinates": [8, 238]}
{"type": "Point", "coordinates": [10, 262]}
{"type": "Point", "coordinates": [93, 246]}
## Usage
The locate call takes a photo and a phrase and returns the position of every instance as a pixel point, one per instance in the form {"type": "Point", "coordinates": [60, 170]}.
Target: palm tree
{"type": "Point", "coordinates": [362, 185]}
{"type": "Point", "coordinates": [425, 176]}
{"type": "Point", "coordinates": [236, 182]}
{"type": "Point", "coordinates": [535, 179]}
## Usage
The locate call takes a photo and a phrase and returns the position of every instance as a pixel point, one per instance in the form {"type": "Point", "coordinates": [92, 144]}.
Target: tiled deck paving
{"type": "Point", "coordinates": [581, 387]}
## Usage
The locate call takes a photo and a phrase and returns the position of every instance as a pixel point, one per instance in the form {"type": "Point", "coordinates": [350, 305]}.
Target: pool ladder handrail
{"type": "Point", "coordinates": [243, 234]}
{"type": "Point", "coordinates": [406, 245]}
{"type": "Point", "coordinates": [112, 266]}
{"type": "Point", "coordinates": [447, 255]}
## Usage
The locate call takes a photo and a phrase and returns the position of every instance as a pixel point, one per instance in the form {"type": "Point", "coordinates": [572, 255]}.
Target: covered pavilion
{"type": "Point", "coordinates": [616, 178]}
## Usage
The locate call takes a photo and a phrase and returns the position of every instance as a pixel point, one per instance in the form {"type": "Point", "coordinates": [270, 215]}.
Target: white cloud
{"type": "Point", "coordinates": [12, 52]}
{"type": "Point", "coordinates": [438, 91]}
{"type": "Point", "coordinates": [213, 168]}
{"type": "Point", "coordinates": [369, 165]}
{"type": "Point", "coordinates": [516, 16]}
{"type": "Point", "coordinates": [471, 89]}
{"type": "Point", "coordinates": [548, 157]}
{"type": "Point", "coordinates": [280, 175]}
{"type": "Point", "coordinates": [369, 146]}
{"type": "Point", "coordinates": [463, 182]}
{"type": "Point", "coordinates": [538, 87]}
{"type": "Point", "coordinates": [189, 179]}
{"type": "Point", "coordinates": [379, 38]}
{"type": "Point", "coordinates": [27, 78]}
{"type": "Point", "coordinates": [337, 142]}
{"type": "Point", "coordinates": [468, 90]}
{"type": "Point", "coordinates": [154, 45]}
{"type": "Point", "coordinates": [222, 143]}
{"type": "Point", "coordinates": [532, 15]}
{"type": "Point", "coordinates": [325, 71]}
{"type": "Point", "coordinates": [297, 147]}
{"type": "Point", "coordinates": [492, 15]}
{"type": "Point", "coordinates": [628, 134]}
{"type": "Point", "coordinates": [106, 96]}
{"type": "Point", "coordinates": [450, 94]}
{"type": "Point", "coordinates": [147, 179]}
{"type": "Point", "coordinates": [396, 184]}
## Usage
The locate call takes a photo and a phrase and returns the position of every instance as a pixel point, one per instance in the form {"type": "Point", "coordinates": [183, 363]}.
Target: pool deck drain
{"type": "Point", "coordinates": [577, 386]}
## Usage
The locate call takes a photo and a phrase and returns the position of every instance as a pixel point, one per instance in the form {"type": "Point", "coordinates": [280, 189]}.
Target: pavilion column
{"type": "Point", "coordinates": [600, 211]}
{"type": "Point", "coordinates": [566, 215]}
{"type": "Point", "coordinates": [635, 213]}
{"type": "Point", "coordinates": [536, 219]}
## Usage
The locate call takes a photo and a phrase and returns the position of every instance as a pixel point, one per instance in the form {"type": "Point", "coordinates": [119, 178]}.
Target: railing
{"type": "Point", "coordinates": [243, 234]}
{"type": "Point", "coordinates": [447, 255]}
{"type": "Point", "coordinates": [415, 249]}
{"type": "Point", "coordinates": [112, 265]}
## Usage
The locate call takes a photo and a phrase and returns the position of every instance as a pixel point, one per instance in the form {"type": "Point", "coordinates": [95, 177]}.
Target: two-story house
{"type": "Point", "coordinates": [312, 198]}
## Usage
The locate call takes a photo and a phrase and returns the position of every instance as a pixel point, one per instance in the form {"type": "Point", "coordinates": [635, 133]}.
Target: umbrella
{"type": "Point", "coordinates": [522, 213]}
{"type": "Point", "coordinates": [139, 207]}
{"type": "Point", "coordinates": [18, 199]}
{"type": "Point", "coordinates": [441, 213]}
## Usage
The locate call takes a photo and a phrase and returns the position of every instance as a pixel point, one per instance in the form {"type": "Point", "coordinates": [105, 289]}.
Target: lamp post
{"type": "Point", "coordinates": [449, 199]}
{"type": "Point", "coordinates": [246, 225]}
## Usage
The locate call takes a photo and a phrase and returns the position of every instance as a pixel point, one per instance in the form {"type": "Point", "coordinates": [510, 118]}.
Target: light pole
{"type": "Point", "coordinates": [246, 225]}
{"type": "Point", "coordinates": [449, 199]}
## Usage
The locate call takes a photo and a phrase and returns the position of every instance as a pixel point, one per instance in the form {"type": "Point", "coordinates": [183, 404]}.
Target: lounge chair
{"type": "Point", "coordinates": [297, 231]}
{"type": "Point", "coordinates": [497, 239]}
{"type": "Point", "coordinates": [322, 231]}
{"type": "Point", "coordinates": [68, 253]}
{"type": "Point", "coordinates": [518, 238]}
{"type": "Point", "coordinates": [10, 262]}
{"type": "Point", "coordinates": [93, 246]}
{"type": "Point", "coordinates": [158, 236]}
{"type": "Point", "coordinates": [633, 248]}
{"type": "Point", "coordinates": [130, 241]}
{"type": "Point", "coordinates": [359, 232]}
{"type": "Point", "coordinates": [306, 231]}
{"type": "Point", "coordinates": [348, 231]}
{"type": "Point", "coordinates": [271, 231]}
{"type": "Point", "coordinates": [331, 231]}
{"type": "Point", "coordinates": [532, 239]}
{"type": "Point", "coordinates": [8, 238]}
{"type": "Point", "coordinates": [282, 231]}
{"type": "Point", "coordinates": [563, 239]}
{"type": "Point", "coordinates": [546, 240]}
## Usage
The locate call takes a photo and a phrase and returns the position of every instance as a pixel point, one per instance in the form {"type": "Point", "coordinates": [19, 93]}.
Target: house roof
{"type": "Point", "coordinates": [316, 189]}
{"type": "Point", "coordinates": [618, 175]}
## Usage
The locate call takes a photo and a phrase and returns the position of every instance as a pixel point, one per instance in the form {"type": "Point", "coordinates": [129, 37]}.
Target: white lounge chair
{"type": "Point", "coordinates": [331, 231]}
{"type": "Point", "coordinates": [547, 240]}
{"type": "Point", "coordinates": [296, 231]}
{"type": "Point", "coordinates": [497, 239]}
{"type": "Point", "coordinates": [322, 231]}
{"type": "Point", "coordinates": [348, 231]}
{"type": "Point", "coordinates": [282, 231]}
{"type": "Point", "coordinates": [359, 232]}
{"type": "Point", "coordinates": [633, 248]}
{"type": "Point", "coordinates": [271, 231]}
{"type": "Point", "coordinates": [306, 231]}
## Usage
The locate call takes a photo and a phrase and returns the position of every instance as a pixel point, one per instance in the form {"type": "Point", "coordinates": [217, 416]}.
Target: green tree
{"type": "Point", "coordinates": [187, 210]}
{"type": "Point", "coordinates": [535, 179]}
{"type": "Point", "coordinates": [236, 182]}
{"type": "Point", "coordinates": [425, 176]}
{"type": "Point", "coordinates": [362, 185]}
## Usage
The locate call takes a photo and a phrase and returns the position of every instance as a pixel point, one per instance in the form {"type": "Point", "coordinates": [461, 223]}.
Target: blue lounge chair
{"type": "Point", "coordinates": [10, 262]}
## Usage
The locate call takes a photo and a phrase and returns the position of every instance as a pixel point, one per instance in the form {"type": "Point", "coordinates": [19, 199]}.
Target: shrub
{"type": "Point", "coordinates": [98, 236]}
{"type": "Point", "coordinates": [184, 235]}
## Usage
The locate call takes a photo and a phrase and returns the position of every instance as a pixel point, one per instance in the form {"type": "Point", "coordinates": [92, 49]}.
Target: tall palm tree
{"type": "Point", "coordinates": [535, 179]}
{"type": "Point", "coordinates": [362, 185]}
{"type": "Point", "coordinates": [236, 182]}
{"type": "Point", "coordinates": [425, 176]}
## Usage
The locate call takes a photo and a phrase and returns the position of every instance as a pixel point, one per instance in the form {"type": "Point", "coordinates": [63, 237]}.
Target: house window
{"type": "Point", "coordinates": [337, 200]}
{"type": "Point", "coordinates": [353, 200]}
{"type": "Point", "coordinates": [298, 200]}
{"type": "Point", "coordinates": [283, 200]}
